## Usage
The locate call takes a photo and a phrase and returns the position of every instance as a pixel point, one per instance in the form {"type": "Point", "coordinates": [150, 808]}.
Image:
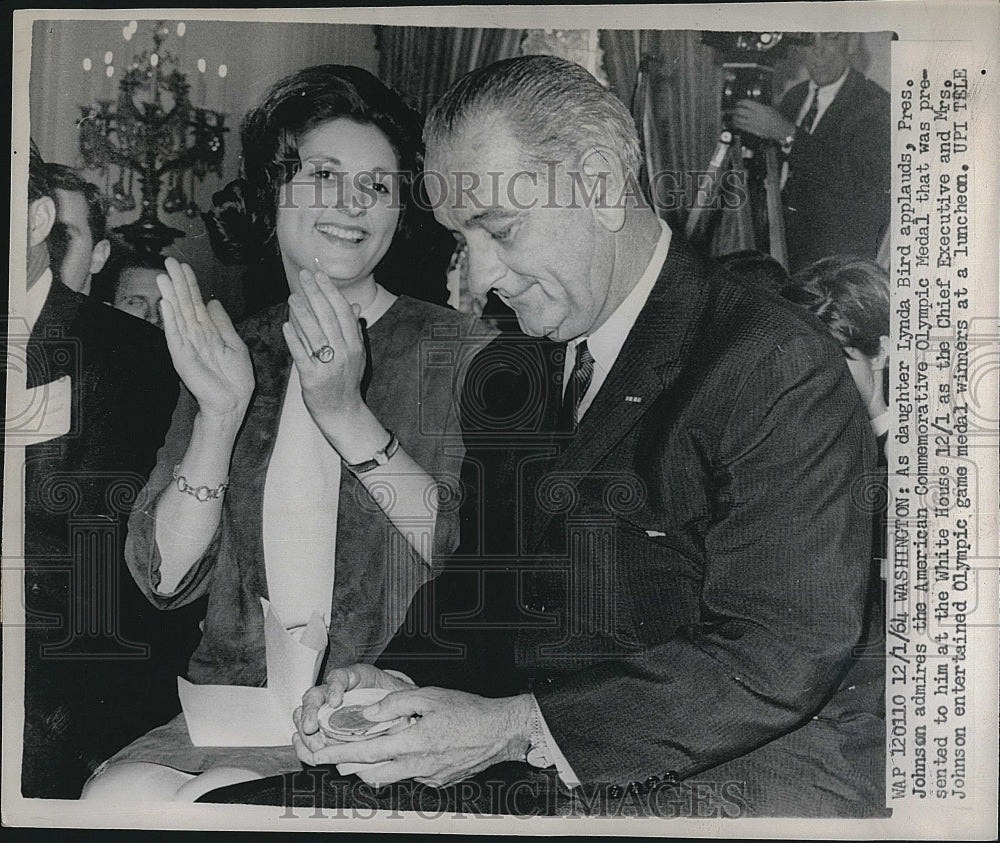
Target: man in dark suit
{"type": "Point", "coordinates": [835, 130]}
{"type": "Point", "coordinates": [98, 395]}
{"type": "Point", "coordinates": [662, 572]}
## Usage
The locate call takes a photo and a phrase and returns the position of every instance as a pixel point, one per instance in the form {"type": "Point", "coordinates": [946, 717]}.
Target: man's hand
{"type": "Point", "coordinates": [308, 737]}
{"type": "Point", "coordinates": [761, 120]}
{"type": "Point", "coordinates": [455, 736]}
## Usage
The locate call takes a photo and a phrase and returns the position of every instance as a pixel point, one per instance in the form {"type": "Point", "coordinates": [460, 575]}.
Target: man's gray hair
{"type": "Point", "coordinates": [553, 107]}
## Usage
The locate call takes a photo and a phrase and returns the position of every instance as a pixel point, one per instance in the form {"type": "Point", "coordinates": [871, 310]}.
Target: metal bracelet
{"type": "Point", "coordinates": [199, 493]}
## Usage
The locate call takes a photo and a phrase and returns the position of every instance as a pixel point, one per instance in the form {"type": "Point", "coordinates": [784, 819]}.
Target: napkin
{"type": "Point", "coordinates": [236, 715]}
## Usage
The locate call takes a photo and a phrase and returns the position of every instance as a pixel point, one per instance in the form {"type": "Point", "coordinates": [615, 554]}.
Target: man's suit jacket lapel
{"type": "Point", "coordinates": [649, 363]}
{"type": "Point", "coordinates": [839, 110]}
{"type": "Point", "coordinates": [835, 112]}
{"type": "Point", "coordinates": [52, 337]}
{"type": "Point", "coordinates": [523, 475]}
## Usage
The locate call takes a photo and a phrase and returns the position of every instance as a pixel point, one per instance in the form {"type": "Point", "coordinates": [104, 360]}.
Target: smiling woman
{"type": "Point", "coordinates": [337, 213]}
{"type": "Point", "coordinates": [309, 451]}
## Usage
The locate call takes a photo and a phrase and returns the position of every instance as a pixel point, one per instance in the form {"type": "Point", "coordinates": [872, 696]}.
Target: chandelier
{"type": "Point", "coordinates": [154, 134]}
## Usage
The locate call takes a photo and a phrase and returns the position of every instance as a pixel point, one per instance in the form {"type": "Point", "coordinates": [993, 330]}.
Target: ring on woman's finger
{"type": "Point", "coordinates": [324, 354]}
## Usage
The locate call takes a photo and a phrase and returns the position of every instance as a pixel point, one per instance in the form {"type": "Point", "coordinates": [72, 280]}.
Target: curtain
{"type": "Point", "coordinates": [672, 84]}
{"type": "Point", "coordinates": [423, 62]}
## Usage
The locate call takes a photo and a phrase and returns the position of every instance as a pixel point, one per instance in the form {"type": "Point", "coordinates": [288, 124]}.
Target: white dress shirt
{"type": "Point", "coordinates": [880, 424]}
{"type": "Point", "coordinates": [606, 342]}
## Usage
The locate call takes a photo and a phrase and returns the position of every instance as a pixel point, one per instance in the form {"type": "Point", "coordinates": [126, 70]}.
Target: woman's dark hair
{"type": "Point", "coordinates": [851, 297]}
{"type": "Point", "coordinates": [242, 224]}
{"type": "Point", "coordinates": [757, 267]}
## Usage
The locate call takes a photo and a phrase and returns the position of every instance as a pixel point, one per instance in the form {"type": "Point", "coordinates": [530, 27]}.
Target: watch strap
{"type": "Point", "coordinates": [381, 457]}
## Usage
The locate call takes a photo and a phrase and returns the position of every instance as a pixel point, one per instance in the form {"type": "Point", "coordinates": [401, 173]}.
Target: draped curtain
{"type": "Point", "coordinates": [423, 62]}
{"type": "Point", "coordinates": [672, 84]}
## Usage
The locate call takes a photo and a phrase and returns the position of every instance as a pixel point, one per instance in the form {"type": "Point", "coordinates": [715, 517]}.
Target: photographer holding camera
{"type": "Point", "coordinates": [834, 130]}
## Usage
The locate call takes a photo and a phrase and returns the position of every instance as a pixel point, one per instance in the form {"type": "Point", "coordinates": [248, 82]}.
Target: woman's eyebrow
{"type": "Point", "coordinates": [321, 159]}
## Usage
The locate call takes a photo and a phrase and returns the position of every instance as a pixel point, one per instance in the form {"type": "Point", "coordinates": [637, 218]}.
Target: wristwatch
{"type": "Point", "coordinates": [381, 457]}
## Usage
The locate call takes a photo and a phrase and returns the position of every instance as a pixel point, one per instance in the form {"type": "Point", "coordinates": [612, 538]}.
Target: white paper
{"type": "Point", "coordinates": [42, 412]}
{"type": "Point", "coordinates": [231, 715]}
{"type": "Point", "coordinates": [236, 715]}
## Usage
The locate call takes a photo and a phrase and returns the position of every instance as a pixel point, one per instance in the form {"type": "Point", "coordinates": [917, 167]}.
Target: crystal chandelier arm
{"type": "Point", "coordinates": [152, 130]}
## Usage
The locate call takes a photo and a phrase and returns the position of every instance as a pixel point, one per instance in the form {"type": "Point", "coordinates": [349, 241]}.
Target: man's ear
{"type": "Point", "coordinates": [41, 218]}
{"type": "Point", "coordinates": [99, 256]}
{"type": "Point", "coordinates": [603, 182]}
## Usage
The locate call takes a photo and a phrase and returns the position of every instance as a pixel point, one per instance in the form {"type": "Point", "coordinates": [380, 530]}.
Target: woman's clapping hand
{"type": "Point", "coordinates": [322, 324]}
{"type": "Point", "coordinates": [206, 351]}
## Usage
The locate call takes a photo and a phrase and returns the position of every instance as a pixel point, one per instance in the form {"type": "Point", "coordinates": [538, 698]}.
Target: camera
{"type": "Point", "coordinates": [748, 60]}
{"type": "Point", "coordinates": [762, 47]}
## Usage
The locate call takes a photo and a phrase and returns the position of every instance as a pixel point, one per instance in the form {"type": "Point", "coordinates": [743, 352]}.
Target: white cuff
{"type": "Point", "coordinates": [400, 675]}
{"type": "Point", "coordinates": [552, 751]}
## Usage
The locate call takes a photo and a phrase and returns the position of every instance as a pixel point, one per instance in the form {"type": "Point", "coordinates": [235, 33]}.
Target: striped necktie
{"type": "Point", "coordinates": [579, 383]}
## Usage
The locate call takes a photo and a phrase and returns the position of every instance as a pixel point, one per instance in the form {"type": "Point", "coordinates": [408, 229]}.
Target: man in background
{"type": "Point", "coordinates": [834, 129]}
{"type": "Point", "coordinates": [78, 246]}
{"type": "Point", "coordinates": [136, 290]}
{"type": "Point", "coordinates": [128, 283]}
{"type": "Point", "coordinates": [101, 389]}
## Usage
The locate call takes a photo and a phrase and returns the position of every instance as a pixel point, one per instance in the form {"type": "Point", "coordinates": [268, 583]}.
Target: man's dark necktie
{"type": "Point", "coordinates": [579, 382]}
{"type": "Point", "coordinates": [810, 116]}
